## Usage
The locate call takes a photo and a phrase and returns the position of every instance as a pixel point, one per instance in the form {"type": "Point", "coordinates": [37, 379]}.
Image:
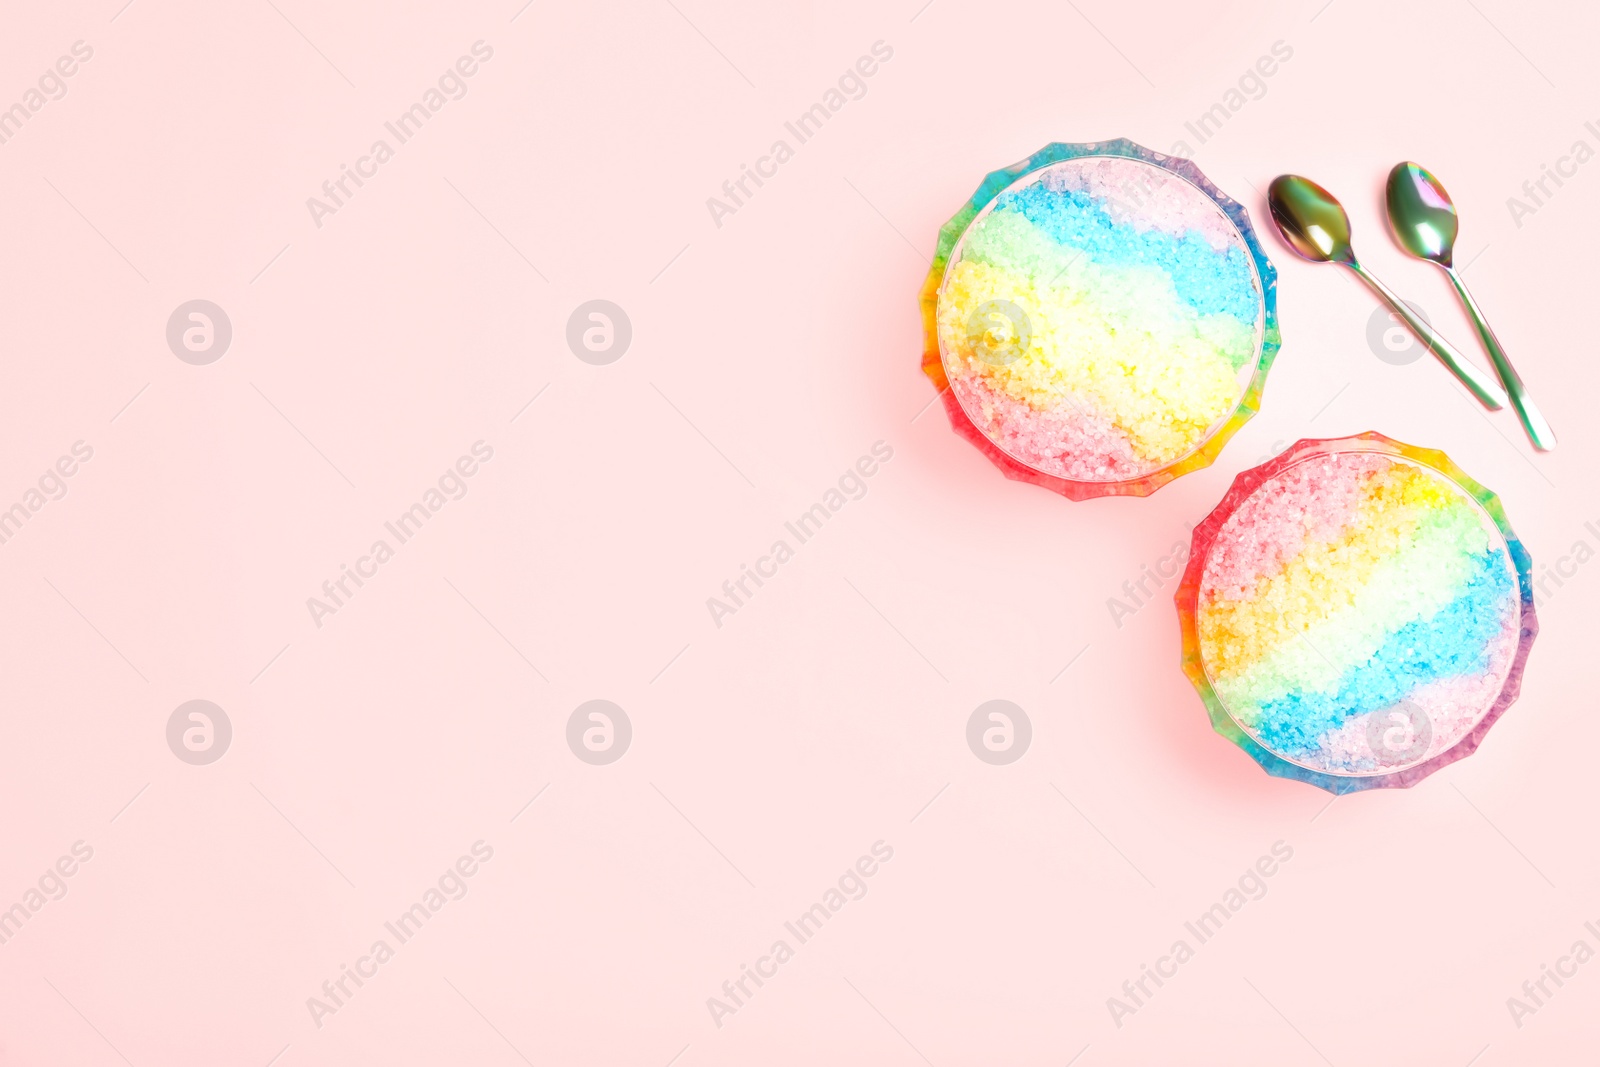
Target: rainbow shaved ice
{"type": "Point", "coordinates": [1101, 319]}
{"type": "Point", "coordinates": [1358, 613]}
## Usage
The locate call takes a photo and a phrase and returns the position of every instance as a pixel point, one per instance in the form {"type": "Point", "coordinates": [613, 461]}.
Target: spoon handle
{"type": "Point", "coordinates": [1480, 384]}
{"type": "Point", "coordinates": [1533, 423]}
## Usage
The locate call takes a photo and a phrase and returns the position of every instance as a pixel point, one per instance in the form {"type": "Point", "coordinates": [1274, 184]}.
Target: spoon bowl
{"type": "Point", "coordinates": [1421, 215]}
{"type": "Point", "coordinates": [1311, 221]}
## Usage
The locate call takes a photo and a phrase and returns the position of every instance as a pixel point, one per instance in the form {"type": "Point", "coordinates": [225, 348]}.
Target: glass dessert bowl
{"type": "Point", "coordinates": [1356, 613]}
{"type": "Point", "coordinates": [1101, 319]}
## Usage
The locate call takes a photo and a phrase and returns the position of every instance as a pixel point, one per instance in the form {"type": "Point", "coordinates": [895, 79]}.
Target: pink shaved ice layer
{"type": "Point", "coordinates": [1067, 441]}
{"type": "Point", "coordinates": [1310, 503]}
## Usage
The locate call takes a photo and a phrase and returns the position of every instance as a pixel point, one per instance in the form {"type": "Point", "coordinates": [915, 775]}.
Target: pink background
{"type": "Point", "coordinates": [829, 713]}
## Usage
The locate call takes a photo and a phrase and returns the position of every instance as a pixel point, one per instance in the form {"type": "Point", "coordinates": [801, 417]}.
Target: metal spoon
{"type": "Point", "coordinates": [1314, 224]}
{"type": "Point", "coordinates": [1424, 223]}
